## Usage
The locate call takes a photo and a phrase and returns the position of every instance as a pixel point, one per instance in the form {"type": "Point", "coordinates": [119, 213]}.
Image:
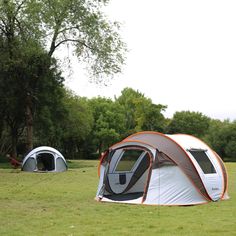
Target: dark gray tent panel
{"type": "Point", "coordinates": [60, 165]}
{"type": "Point", "coordinates": [30, 164]}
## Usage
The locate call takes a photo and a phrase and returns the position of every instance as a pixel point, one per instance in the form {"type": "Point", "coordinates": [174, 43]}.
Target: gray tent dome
{"type": "Point", "coordinates": [44, 158]}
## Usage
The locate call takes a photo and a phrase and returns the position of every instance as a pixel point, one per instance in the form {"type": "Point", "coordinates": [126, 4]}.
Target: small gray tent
{"type": "Point", "coordinates": [44, 158]}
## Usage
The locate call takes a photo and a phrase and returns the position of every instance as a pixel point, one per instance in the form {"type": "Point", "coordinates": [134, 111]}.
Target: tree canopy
{"type": "Point", "coordinates": [194, 123]}
{"type": "Point", "coordinates": [82, 24]}
{"type": "Point", "coordinates": [109, 122]}
{"type": "Point", "coordinates": [30, 33]}
{"type": "Point", "coordinates": [77, 124]}
{"type": "Point", "coordinates": [222, 137]}
{"type": "Point", "coordinates": [83, 128]}
{"type": "Point", "coordinates": [140, 112]}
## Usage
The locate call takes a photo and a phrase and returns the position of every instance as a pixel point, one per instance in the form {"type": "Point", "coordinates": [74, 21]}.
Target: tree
{"type": "Point", "coordinates": [140, 112]}
{"type": "Point", "coordinates": [30, 26]}
{"type": "Point", "coordinates": [194, 123]}
{"type": "Point", "coordinates": [230, 136]}
{"type": "Point", "coordinates": [77, 124]}
{"type": "Point", "coordinates": [127, 101]}
{"type": "Point", "coordinates": [49, 110]}
{"type": "Point", "coordinates": [153, 119]}
{"type": "Point", "coordinates": [109, 123]}
{"type": "Point", "coordinates": [221, 136]}
{"type": "Point", "coordinates": [23, 62]}
{"type": "Point", "coordinates": [14, 87]}
{"type": "Point", "coordinates": [27, 82]}
{"type": "Point", "coordinates": [82, 24]}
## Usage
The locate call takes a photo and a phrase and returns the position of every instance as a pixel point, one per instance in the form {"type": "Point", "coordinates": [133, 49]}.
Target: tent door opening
{"type": "Point", "coordinates": [127, 175]}
{"type": "Point", "coordinates": [45, 162]}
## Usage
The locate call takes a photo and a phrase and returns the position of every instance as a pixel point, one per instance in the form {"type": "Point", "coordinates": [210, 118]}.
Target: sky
{"type": "Point", "coordinates": [182, 53]}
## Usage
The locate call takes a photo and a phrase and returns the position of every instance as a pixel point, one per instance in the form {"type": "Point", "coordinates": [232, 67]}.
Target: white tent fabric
{"type": "Point", "coordinates": [210, 180]}
{"type": "Point", "coordinates": [169, 186]}
{"type": "Point", "coordinates": [157, 169]}
{"type": "Point", "coordinates": [44, 158]}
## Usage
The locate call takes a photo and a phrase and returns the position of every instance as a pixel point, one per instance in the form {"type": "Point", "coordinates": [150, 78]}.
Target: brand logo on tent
{"type": "Point", "coordinates": [215, 189]}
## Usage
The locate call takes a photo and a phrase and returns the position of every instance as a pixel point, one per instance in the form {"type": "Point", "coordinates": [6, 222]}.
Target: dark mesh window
{"type": "Point", "coordinates": [128, 160]}
{"type": "Point", "coordinates": [203, 161]}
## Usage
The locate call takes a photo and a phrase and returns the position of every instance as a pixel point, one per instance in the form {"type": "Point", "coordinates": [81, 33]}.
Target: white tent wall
{"type": "Point", "coordinates": [170, 186]}
{"type": "Point", "coordinates": [214, 183]}
{"type": "Point", "coordinates": [100, 183]}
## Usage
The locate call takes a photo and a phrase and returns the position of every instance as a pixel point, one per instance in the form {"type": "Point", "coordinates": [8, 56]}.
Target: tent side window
{"type": "Point", "coordinates": [128, 160]}
{"type": "Point", "coordinates": [30, 164]}
{"type": "Point", "coordinates": [203, 160]}
{"type": "Point", "coordinates": [60, 164]}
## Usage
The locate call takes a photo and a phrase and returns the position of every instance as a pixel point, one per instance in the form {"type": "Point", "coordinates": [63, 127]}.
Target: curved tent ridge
{"type": "Point", "coordinates": [43, 148]}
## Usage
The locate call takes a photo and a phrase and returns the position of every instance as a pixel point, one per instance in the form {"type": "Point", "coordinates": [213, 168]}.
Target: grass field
{"type": "Point", "coordinates": [63, 204]}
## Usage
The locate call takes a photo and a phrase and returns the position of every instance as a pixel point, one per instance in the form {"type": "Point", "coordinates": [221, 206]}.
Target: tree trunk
{"type": "Point", "coordinates": [29, 124]}
{"type": "Point", "coordinates": [100, 148]}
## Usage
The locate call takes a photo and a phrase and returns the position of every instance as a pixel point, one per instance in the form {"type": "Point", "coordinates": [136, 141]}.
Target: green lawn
{"type": "Point", "coordinates": [63, 204]}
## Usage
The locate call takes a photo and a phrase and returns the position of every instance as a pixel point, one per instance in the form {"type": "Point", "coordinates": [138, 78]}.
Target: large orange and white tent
{"type": "Point", "coordinates": [154, 168]}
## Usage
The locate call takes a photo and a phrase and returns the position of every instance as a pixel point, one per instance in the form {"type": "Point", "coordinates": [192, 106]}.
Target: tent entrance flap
{"type": "Point", "coordinates": [127, 174]}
